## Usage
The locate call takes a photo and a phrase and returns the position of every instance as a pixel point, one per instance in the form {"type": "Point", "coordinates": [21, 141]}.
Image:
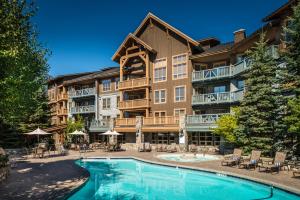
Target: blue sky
{"type": "Point", "coordinates": [84, 34]}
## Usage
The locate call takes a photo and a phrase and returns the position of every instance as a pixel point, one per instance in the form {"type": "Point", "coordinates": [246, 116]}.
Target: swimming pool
{"type": "Point", "coordinates": [129, 179]}
{"type": "Point", "coordinates": [188, 157]}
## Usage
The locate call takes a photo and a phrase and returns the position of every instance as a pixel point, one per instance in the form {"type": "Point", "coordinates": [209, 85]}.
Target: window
{"type": "Point", "coordinates": [160, 70]}
{"type": "Point", "coordinates": [117, 81]}
{"type": "Point", "coordinates": [179, 64]}
{"type": "Point", "coordinates": [159, 96]}
{"type": "Point", "coordinates": [240, 84]}
{"type": "Point", "coordinates": [219, 89]}
{"type": "Point", "coordinates": [159, 113]}
{"type": "Point", "coordinates": [106, 85]}
{"type": "Point", "coordinates": [179, 112]}
{"type": "Point", "coordinates": [106, 103]}
{"type": "Point", "coordinates": [179, 93]}
{"type": "Point", "coordinates": [205, 139]}
{"type": "Point", "coordinates": [164, 138]}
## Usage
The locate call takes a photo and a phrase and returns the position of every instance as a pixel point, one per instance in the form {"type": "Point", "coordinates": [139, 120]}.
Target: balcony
{"type": "Point", "coordinates": [216, 98]}
{"type": "Point", "coordinates": [161, 124]}
{"type": "Point", "coordinates": [125, 122]}
{"type": "Point", "coordinates": [82, 93]}
{"type": "Point", "coordinates": [99, 126]}
{"type": "Point", "coordinates": [202, 122]}
{"type": "Point", "coordinates": [134, 104]}
{"type": "Point", "coordinates": [83, 109]}
{"type": "Point", "coordinates": [62, 111]}
{"type": "Point", "coordinates": [62, 97]}
{"type": "Point", "coordinates": [241, 67]}
{"type": "Point", "coordinates": [134, 83]}
{"type": "Point", "coordinates": [212, 74]}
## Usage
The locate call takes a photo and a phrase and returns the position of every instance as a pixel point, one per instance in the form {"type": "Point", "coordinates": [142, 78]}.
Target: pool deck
{"type": "Point", "coordinates": [55, 177]}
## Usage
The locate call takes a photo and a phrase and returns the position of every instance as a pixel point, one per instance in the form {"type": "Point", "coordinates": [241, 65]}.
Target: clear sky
{"type": "Point", "coordinates": [84, 34]}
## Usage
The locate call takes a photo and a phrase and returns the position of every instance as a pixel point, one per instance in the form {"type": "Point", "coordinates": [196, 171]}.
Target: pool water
{"type": "Point", "coordinates": [128, 179]}
{"type": "Point", "coordinates": [188, 157]}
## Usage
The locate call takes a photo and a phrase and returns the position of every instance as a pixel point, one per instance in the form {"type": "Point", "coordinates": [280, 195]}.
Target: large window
{"type": "Point", "coordinates": [204, 139]}
{"type": "Point", "coordinates": [179, 65]}
{"type": "Point", "coordinates": [160, 70]}
{"type": "Point", "coordinates": [106, 103]}
{"type": "Point", "coordinates": [164, 138]}
{"type": "Point", "coordinates": [159, 96]}
{"type": "Point", "coordinates": [219, 89]}
{"type": "Point", "coordinates": [179, 112]}
{"type": "Point", "coordinates": [106, 85]}
{"type": "Point", "coordinates": [179, 93]}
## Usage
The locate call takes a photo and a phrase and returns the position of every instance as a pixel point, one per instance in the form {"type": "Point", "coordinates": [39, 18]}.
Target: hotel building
{"type": "Point", "coordinates": [168, 88]}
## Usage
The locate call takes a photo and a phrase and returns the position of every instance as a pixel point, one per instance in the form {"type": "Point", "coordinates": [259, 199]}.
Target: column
{"type": "Point", "coordinates": [96, 99]}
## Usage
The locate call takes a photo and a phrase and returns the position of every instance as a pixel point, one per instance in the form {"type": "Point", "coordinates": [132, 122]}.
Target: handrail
{"type": "Point", "coordinates": [218, 72]}
{"type": "Point", "coordinates": [133, 83]}
{"type": "Point", "coordinates": [218, 97]}
{"type": "Point", "coordinates": [99, 123]}
{"type": "Point", "coordinates": [166, 120]}
{"type": "Point", "coordinates": [136, 103]}
{"type": "Point", "coordinates": [204, 118]}
{"type": "Point", "coordinates": [82, 92]}
{"type": "Point", "coordinates": [125, 121]}
{"type": "Point", "coordinates": [83, 109]}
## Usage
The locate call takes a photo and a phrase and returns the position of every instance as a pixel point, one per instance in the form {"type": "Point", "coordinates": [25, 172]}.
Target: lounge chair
{"type": "Point", "coordinates": [141, 147]}
{"type": "Point", "coordinates": [73, 147]}
{"type": "Point", "coordinates": [158, 148]}
{"type": "Point", "coordinates": [193, 148]}
{"type": "Point", "coordinates": [40, 152]}
{"type": "Point", "coordinates": [276, 164]}
{"type": "Point", "coordinates": [296, 169]}
{"type": "Point", "coordinates": [232, 159]}
{"type": "Point", "coordinates": [172, 148]}
{"type": "Point", "coordinates": [252, 162]}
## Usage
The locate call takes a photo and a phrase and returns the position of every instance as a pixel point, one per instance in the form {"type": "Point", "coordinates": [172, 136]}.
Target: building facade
{"type": "Point", "coordinates": [168, 88]}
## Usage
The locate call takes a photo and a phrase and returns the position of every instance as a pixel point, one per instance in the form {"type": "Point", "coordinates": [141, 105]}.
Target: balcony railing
{"type": "Point", "coordinates": [83, 109]}
{"type": "Point", "coordinates": [134, 83]}
{"type": "Point", "coordinates": [204, 119]}
{"type": "Point", "coordinates": [133, 104]}
{"type": "Point", "coordinates": [125, 122]}
{"type": "Point", "coordinates": [62, 96]}
{"type": "Point", "coordinates": [62, 111]}
{"type": "Point", "coordinates": [82, 93]}
{"type": "Point", "coordinates": [167, 120]}
{"type": "Point", "coordinates": [215, 73]}
{"type": "Point", "coordinates": [99, 125]}
{"type": "Point", "coordinates": [221, 97]}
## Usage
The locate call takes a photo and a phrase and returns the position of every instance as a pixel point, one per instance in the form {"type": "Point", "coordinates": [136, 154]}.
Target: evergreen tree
{"type": "Point", "coordinates": [291, 77]}
{"type": "Point", "coordinates": [259, 109]}
{"type": "Point", "coordinates": [23, 67]}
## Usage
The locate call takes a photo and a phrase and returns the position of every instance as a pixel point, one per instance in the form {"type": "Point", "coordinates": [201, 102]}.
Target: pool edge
{"type": "Point", "coordinates": [235, 175]}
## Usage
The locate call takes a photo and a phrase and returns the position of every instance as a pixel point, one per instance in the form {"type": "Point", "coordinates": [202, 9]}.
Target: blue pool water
{"type": "Point", "coordinates": [128, 179]}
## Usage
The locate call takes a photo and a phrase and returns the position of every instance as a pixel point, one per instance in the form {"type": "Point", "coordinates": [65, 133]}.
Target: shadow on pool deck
{"type": "Point", "coordinates": [42, 180]}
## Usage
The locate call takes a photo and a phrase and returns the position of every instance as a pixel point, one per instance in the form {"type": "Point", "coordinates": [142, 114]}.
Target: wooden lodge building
{"type": "Point", "coordinates": [168, 88]}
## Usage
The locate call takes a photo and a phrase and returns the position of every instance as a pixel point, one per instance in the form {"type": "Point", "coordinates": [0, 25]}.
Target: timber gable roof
{"type": "Point", "coordinates": [135, 36]}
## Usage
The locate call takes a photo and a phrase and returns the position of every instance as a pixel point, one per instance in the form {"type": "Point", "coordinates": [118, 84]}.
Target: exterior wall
{"type": "Point", "coordinates": [166, 47]}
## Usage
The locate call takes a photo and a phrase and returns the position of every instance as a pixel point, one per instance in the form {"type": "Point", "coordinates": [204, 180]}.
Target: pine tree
{"type": "Point", "coordinates": [259, 109]}
{"type": "Point", "coordinates": [291, 77]}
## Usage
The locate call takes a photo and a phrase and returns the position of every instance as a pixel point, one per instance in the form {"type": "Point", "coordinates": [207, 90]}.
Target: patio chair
{"type": "Point", "coordinates": [141, 147]}
{"type": "Point", "coordinates": [232, 159]}
{"type": "Point", "coordinates": [252, 162]}
{"type": "Point", "coordinates": [61, 150]}
{"type": "Point", "coordinates": [193, 148]}
{"type": "Point", "coordinates": [172, 148]}
{"type": "Point", "coordinates": [73, 146]}
{"type": "Point", "coordinates": [40, 152]}
{"type": "Point", "coordinates": [158, 148]}
{"type": "Point", "coordinates": [276, 164]}
{"type": "Point", "coordinates": [296, 169]}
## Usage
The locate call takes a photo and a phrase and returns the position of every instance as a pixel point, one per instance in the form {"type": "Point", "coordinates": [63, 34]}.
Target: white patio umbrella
{"type": "Point", "coordinates": [38, 132]}
{"type": "Point", "coordinates": [111, 133]}
{"type": "Point", "coordinates": [79, 133]}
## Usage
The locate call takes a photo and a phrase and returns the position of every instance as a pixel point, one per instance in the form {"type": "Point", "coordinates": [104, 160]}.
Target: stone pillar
{"type": "Point", "coordinates": [183, 136]}
{"type": "Point", "coordinates": [96, 99]}
{"type": "Point", "coordinates": [139, 134]}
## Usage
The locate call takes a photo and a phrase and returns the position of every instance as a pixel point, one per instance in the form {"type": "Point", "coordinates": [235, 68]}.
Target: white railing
{"type": "Point", "coordinates": [99, 124]}
{"type": "Point", "coordinates": [218, 97]}
{"type": "Point", "coordinates": [83, 109]}
{"type": "Point", "coordinates": [204, 119]}
{"type": "Point", "coordinates": [214, 73]}
{"type": "Point", "coordinates": [82, 92]}
{"type": "Point", "coordinates": [240, 66]}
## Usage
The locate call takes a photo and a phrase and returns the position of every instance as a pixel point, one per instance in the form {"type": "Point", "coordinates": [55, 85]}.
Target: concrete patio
{"type": "Point", "coordinates": [55, 177]}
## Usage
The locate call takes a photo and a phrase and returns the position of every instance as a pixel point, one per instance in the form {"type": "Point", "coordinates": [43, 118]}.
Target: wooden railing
{"type": "Point", "coordinates": [218, 97]}
{"type": "Point", "coordinates": [133, 104]}
{"type": "Point", "coordinates": [134, 83]}
{"type": "Point", "coordinates": [62, 111]}
{"type": "Point", "coordinates": [62, 96]}
{"type": "Point", "coordinates": [82, 93]}
{"type": "Point", "coordinates": [125, 122]}
{"type": "Point", "coordinates": [167, 120]}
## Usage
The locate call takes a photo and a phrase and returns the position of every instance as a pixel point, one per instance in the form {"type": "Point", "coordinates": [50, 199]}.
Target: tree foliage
{"type": "Point", "coordinates": [23, 68]}
{"type": "Point", "coordinates": [227, 126]}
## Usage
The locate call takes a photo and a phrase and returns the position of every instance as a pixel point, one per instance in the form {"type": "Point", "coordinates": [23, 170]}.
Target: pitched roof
{"type": "Point", "coordinates": [104, 73]}
{"type": "Point", "coordinates": [221, 48]}
{"type": "Point", "coordinates": [130, 37]}
{"type": "Point", "coordinates": [67, 76]}
{"type": "Point", "coordinates": [160, 21]}
{"type": "Point", "coordinates": [275, 14]}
